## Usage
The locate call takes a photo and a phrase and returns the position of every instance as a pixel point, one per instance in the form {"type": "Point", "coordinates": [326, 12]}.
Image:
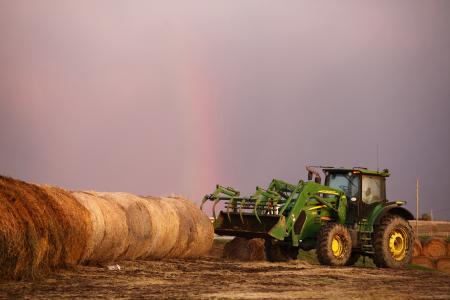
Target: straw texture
{"type": "Point", "coordinates": [43, 228]}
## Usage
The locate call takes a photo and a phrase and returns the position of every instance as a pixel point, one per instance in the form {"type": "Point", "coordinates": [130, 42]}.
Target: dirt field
{"type": "Point", "coordinates": [213, 277]}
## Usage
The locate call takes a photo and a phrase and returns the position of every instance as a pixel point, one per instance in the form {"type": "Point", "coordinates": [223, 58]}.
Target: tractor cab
{"type": "Point", "coordinates": [364, 189]}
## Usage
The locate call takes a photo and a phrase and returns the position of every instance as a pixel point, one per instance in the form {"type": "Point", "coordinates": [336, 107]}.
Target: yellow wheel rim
{"type": "Point", "coordinates": [397, 243]}
{"type": "Point", "coordinates": [337, 246]}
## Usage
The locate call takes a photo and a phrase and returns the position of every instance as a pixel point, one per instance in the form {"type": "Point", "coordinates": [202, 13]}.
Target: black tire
{"type": "Point", "coordinates": [279, 253]}
{"type": "Point", "coordinates": [334, 234]}
{"type": "Point", "coordinates": [393, 243]}
{"type": "Point", "coordinates": [353, 259]}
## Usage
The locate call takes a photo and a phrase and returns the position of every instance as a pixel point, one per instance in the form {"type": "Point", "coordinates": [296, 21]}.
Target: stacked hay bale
{"type": "Point", "coordinates": [43, 228]}
{"type": "Point", "coordinates": [435, 248]}
{"type": "Point", "coordinates": [433, 254]}
{"type": "Point", "coordinates": [417, 251]}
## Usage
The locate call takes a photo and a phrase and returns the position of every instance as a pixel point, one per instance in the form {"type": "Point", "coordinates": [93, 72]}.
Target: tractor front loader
{"type": "Point", "coordinates": [344, 218]}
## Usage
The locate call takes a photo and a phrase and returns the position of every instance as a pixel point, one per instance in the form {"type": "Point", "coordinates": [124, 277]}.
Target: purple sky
{"type": "Point", "coordinates": [159, 97]}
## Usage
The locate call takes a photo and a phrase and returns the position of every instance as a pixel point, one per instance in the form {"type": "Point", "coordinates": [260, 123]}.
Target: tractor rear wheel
{"type": "Point", "coordinates": [393, 242]}
{"type": "Point", "coordinates": [334, 245]}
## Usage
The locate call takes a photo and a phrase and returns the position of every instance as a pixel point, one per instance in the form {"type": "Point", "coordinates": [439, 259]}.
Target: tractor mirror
{"type": "Point", "coordinates": [310, 175]}
{"type": "Point", "coordinates": [353, 199]}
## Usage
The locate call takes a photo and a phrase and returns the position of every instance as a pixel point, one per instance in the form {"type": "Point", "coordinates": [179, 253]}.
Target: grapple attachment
{"type": "Point", "coordinates": [249, 216]}
{"type": "Point", "coordinates": [262, 202]}
{"type": "Point", "coordinates": [275, 211]}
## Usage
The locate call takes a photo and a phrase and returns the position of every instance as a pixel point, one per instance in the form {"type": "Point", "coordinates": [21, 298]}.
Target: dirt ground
{"type": "Point", "coordinates": [213, 277]}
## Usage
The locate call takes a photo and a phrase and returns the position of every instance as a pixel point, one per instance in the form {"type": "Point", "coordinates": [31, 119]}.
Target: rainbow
{"type": "Point", "coordinates": [200, 108]}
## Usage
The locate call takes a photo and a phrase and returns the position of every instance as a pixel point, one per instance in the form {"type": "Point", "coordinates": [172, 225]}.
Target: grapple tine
{"type": "Point", "coordinates": [216, 197]}
{"type": "Point", "coordinates": [259, 197]}
{"type": "Point", "coordinates": [205, 198]}
{"type": "Point", "coordinates": [240, 209]}
{"type": "Point", "coordinates": [214, 207]}
{"type": "Point", "coordinates": [256, 211]}
{"type": "Point", "coordinates": [228, 210]}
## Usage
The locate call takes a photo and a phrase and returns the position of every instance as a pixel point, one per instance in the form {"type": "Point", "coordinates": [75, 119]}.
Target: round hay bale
{"type": "Point", "coordinates": [75, 221]}
{"type": "Point", "coordinates": [216, 249]}
{"type": "Point", "coordinates": [435, 248]}
{"type": "Point", "coordinates": [186, 229]}
{"type": "Point", "coordinates": [157, 235]}
{"type": "Point", "coordinates": [245, 249]}
{"type": "Point", "coordinates": [237, 248]}
{"type": "Point", "coordinates": [443, 264]}
{"type": "Point", "coordinates": [423, 261]}
{"type": "Point", "coordinates": [203, 234]}
{"type": "Point", "coordinates": [41, 229]}
{"type": "Point", "coordinates": [195, 234]}
{"type": "Point", "coordinates": [139, 223]}
{"type": "Point", "coordinates": [169, 217]}
{"type": "Point", "coordinates": [97, 222]}
{"type": "Point", "coordinates": [257, 249]}
{"type": "Point", "coordinates": [109, 226]}
{"type": "Point", "coordinates": [14, 255]}
{"type": "Point", "coordinates": [417, 251]}
{"type": "Point", "coordinates": [161, 227]}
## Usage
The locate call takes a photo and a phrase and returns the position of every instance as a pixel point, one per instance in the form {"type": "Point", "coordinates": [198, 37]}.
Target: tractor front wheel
{"type": "Point", "coordinates": [393, 242]}
{"type": "Point", "coordinates": [334, 245]}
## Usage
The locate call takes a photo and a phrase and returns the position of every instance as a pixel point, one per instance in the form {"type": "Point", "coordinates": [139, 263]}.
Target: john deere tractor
{"type": "Point", "coordinates": [346, 217]}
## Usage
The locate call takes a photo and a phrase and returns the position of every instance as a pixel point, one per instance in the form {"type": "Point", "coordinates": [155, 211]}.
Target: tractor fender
{"type": "Point", "coordinates": [393, 209]}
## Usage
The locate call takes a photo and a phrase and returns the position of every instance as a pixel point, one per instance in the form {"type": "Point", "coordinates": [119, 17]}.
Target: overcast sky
{"type": "Point", "coordinates": [160, 97]}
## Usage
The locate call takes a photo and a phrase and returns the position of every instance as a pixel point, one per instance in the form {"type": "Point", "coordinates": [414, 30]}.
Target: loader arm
{"type": "Point", "coordinates": [280, 211]}
{"type": "Point", "coordinates": [306, 197]}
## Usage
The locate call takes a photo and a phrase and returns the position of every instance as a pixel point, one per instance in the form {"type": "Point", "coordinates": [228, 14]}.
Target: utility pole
{"type": "Point", "coordinates": [417, 208]}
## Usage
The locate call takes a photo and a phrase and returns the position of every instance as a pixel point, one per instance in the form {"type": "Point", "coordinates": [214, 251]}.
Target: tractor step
{"type": "Point", "coordinates": [368, 250]}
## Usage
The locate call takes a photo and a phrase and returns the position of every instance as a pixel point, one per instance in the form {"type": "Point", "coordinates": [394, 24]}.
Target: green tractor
{"type": "Point", "coordinates": [346, 217]}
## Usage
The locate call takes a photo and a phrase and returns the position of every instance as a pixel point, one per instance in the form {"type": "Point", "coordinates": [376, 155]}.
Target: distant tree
{"type": "Point", "coordinates": [426, 217]}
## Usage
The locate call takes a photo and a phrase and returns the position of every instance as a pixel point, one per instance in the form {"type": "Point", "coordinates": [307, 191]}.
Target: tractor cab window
{"type": "Point", "coordinates": [372, 189]}
{"type": "Point", "coordinates": [346, 182]}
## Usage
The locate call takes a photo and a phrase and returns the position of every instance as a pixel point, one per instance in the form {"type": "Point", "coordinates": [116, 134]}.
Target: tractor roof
{"type": "Point", "coordinates": [384, 173]}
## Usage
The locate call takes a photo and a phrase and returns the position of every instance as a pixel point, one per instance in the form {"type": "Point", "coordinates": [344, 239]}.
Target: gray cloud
{"type": "Point", "coordinates": [155, 97]}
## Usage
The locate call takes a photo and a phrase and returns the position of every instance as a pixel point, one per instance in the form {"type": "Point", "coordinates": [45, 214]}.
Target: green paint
{"type": "Point", "coordinates": [292, 213]}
